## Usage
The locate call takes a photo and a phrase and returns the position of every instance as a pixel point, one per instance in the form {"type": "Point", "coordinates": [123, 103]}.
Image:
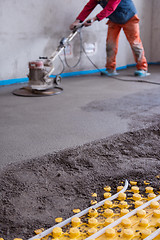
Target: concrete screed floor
{"type": "Point", "coordinates": [90, 108]}
{"type": "Point", "coordinates": [56, 150]}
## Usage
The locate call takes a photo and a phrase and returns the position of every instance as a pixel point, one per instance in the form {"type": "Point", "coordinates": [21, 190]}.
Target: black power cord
{"type": "Point", "coordinates": [80, 53]}
{"type": "Point", "coordinates": [136, 80]}
{"type": "Point", "coordinates": [63, 67]}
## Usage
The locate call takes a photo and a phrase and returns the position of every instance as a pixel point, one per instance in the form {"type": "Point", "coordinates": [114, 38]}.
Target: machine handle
{"type": "Point", "coordinates": [78, 27]}
{"type": "Point", "coordinates": [43, 57]}
{"type": "Point", "coordinates": [90, 21]}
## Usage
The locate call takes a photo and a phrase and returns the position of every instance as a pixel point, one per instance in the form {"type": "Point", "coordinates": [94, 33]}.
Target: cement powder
{"type": "Point", "coordinates": [34, 193]}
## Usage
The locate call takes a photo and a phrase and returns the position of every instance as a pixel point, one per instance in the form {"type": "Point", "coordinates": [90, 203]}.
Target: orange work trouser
{"type": "Point", "coordinates": [131, 30]}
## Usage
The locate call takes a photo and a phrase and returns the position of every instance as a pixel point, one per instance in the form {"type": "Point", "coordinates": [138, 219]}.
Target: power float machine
{"type": "Point", "coordinates": [40, 70]}
{"type": "Point", "coordinates": [40, 81]}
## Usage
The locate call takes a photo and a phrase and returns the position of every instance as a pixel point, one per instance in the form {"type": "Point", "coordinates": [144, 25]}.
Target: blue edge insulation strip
{"type": "Point", "coordinates": [70, 74]}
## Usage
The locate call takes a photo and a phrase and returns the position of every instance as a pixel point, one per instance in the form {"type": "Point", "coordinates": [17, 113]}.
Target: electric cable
{"type": "Point", "coordinates": [117, 78]}
{"type": "Point", "coordinates": [136, 80]}
{"type": "Point", "coordinates": [80, 54]}
{"type": "Point", "coordinates": [63, 66]}
{"type": "Point", "coordinates": [91, 60]}
{"type": "Point", "coordinates": [82, 49]}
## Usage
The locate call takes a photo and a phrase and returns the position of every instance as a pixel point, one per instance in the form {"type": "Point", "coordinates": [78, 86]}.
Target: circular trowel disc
{"type": "Point", "coordinates": [28, 92]}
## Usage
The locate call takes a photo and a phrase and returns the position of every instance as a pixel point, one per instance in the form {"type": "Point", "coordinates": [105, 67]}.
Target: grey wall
{"type": "Point", "coordinates": [29, 29]}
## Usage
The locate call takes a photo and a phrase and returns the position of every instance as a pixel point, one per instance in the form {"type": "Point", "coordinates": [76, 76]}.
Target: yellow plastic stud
{"type": "Point", "coordinates": [110, 232]}
{"type": "Point", "coordinates": [154, 204]}
{"type": "Point", "coordinates": [138, 204]}
{"type": "Point", "coordinates": [46, 238]}
{"type": "Point", "coordinates": [75, 221]}
{"type": "Point", "coordinates": [93, 212]}
{"type": "Point", "coordinates": [107, 195]}
{"type": "Point", "coordinates": [108, 213]}
{"type": "Point", "coordinates": [38, 231]}
{"type": "Point", "coordinates": [137, 197]}
{"type": "Point", "coordinates": [144, 223]}
{"type": "Point", "coordinates": [107, 188]}
{"type": "Point", "coordinates": [119, 188]}
{"type": "Point", "coordinates": [126, 223]}
{"type": "Point", "coordinates": [93, 202]}
{"type": "Point", "coordinates": [76, 210]}
{"type": "Point", "coordinates": [57, 232]}
{"type": "Point", "coordinates": [151, 196]}
{"type": "Point", "coordinates": [156, 213]}
{"type": "Point", "coordinates": [94, 194]}
{"type": "Point", "coordinates": [123, 204]}
{"type": "Point", "coordinates": [58, 220]}
{"type": "Point", "coordinates": [92, 222]}
{"type": "Point", "coordinates": [141, 213]}
{"type": "Point", "coordinates": [145, 233]}
{"type": "Point", "coordinates": [74, 233]}
{"type": "Point", "coordinates": [124, 212]}
{"type": "Point", "coordinates": [135, 189]}
{"type": "Point", "coordinates": [108, 204]}
{"type": "Point", "coordinates": [92, 231]}
{"type": "Point", "coordinates": [133, 183]}
{"type": "Point", "coordinates": [121, 196]}
{"type": "Point", "coordinates": [19, 239]}
{"type": "Point", "coordinates": [128, 233]}
{"type": "Point", "coordinates": [146, 183]}
{"type": "Point", "coordinates": [149, 190]}
{"type": "Point", "coordinates": [108, 221]}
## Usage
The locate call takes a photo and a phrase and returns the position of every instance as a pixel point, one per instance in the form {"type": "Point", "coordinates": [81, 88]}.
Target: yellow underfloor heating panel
{"type": "Point", "coordinates": [127, 215]}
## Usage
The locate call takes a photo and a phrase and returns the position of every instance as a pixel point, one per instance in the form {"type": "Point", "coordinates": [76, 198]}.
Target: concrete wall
{"type": "Point", "coordinates": [155, 34]}
{"type": "Point", "coordinates": [29, 29]}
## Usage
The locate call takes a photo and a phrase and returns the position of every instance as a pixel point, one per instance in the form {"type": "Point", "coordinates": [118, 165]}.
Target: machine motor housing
{"type": "Point", "coordinates": [37, 72]}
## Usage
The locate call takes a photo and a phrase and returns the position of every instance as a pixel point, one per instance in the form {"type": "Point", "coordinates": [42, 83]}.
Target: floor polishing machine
{"type": "Point", "coordinates": [40, 81]}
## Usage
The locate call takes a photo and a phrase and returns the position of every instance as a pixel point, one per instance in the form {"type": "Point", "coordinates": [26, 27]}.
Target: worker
{"type": "Point", "coordinates": [122, 14]}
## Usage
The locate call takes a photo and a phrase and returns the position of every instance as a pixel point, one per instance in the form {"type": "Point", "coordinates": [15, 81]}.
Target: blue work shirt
{"type": "Point", "coordinates": [124, 12]}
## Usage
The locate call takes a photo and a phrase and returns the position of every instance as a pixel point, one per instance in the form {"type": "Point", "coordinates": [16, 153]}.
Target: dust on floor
{"type": "Point", "coordinates": [34, 193]}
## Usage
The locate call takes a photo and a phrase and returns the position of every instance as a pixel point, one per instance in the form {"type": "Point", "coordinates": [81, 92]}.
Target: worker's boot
{"type": "Point", "coordinates": [110, 73]}
{"type": "Point", "coordinates": [141, 73]}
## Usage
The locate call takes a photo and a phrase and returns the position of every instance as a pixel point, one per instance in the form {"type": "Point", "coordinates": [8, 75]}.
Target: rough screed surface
{"type": "Point", "coordinates": [34, 193]}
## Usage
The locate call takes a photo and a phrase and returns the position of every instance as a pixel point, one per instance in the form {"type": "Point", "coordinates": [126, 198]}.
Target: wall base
{"type": "Point", "coordinates": [69, 74]}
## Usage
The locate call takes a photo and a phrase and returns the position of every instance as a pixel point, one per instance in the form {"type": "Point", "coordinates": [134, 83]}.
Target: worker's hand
{"type": "Point", "coordinates": [89, 22]}
{"type": "Point", "coordinates": [74, 24]}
